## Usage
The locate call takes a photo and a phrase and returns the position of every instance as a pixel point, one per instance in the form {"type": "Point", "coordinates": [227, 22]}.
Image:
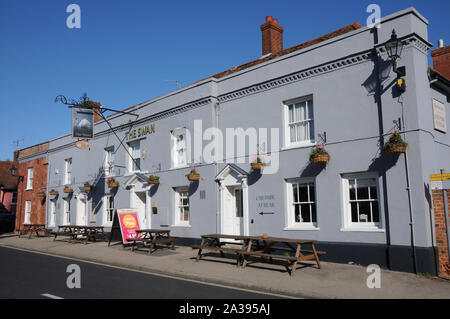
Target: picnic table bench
{"type": "Point", "coordinates": [152, 238]}
{"type": "Point", "coordinates": [263, 247]}
{"type": "Point", "coordinates": [32, 228]}
{"type": "Point", "coordinates": [74, 231]}
{"type": "Point", "coordinates": [213, 243]}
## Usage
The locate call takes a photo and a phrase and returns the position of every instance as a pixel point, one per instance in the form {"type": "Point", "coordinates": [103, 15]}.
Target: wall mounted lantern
{"type": "Point", "coordinates": [13, 171]}
{"type": "Point", "coordinates": [394, 48]}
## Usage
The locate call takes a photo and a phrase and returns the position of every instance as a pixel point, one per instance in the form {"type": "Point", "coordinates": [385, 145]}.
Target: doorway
{"type": "Point", "coordinates": [233, 221]}
{"type": "Point", "coordinates": [140, 203]}
{"type": "Point", "coordinates": [81, 211]}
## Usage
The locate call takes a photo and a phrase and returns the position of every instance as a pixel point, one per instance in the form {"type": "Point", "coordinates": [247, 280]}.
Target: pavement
{"type": "Point", "coordinates": [332, 281]}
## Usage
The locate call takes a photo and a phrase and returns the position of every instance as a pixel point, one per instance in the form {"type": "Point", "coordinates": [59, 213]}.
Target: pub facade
{"type": "Point", "coordinates": [364, 205]}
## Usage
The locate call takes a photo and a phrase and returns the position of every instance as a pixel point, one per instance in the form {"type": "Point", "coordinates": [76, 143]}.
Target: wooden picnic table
{"type": "Point", "coordinates": [263, 247]}
{"type": "Point", "coordinates": [153, 237]}
{"type": "Point", "coordinates": [32, 228]}
{"type": "Point", "coordinates": [73, 231]}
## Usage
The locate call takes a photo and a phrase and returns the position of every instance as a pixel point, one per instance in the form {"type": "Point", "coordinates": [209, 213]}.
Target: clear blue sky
{"type": "Point", "coordinates": [125, 50]}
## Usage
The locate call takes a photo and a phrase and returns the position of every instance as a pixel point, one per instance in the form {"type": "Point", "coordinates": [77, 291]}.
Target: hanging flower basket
{"type": "Point", "coordinates": [395, 148]}
{"type": "Point", "coordinates": [41, 194]}
{"type": "Point", "coordinates": [193, 175]}
{"type": "Point", "coordinates": [53, 193]}
{"type": "Point", "coordinates": [112, 183]}
{"type": "Point", "coordinates": [68, 190]}
{"type": "Point", "coordinates": [153, 180]}
{"type": "Point", "coordinates": [319, 155]}
{"type": "Point", "coordinates": [87, 187]}
{"type": "Point", "coordinates": [395, 145]}
{"type": "Point", "coordinates": [258, 164]}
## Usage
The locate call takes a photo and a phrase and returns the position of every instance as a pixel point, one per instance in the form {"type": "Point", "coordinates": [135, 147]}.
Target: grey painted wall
{"type": "Point", "coordinates": [352, 117]}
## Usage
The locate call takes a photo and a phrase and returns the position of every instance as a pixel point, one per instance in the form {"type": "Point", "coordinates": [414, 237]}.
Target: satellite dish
{"type": "Point", "coordinates": [83, 145]}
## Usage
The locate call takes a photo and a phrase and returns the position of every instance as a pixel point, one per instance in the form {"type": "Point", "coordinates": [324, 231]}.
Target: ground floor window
{"type": "Point", "coordinates": [361, 200]}
{"type": "Point", "coordinates": [27, 219]}
{"type": "Point", "coordinates": [182, 216]}
{"type": "Point", "coordinates": [302, 203]}
{"type": "Point", "coordinates": [52, 220]}
{"type": "Point", "coordinates": [66, 212]}
{"type": "Point", "coordinates": [109, 208]}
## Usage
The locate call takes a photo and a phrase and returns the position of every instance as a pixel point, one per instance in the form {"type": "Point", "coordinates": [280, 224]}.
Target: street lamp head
{"type": "Point", "coordinates": [394, 47]}
{"type": "Point", "coordinates": [13, 170]}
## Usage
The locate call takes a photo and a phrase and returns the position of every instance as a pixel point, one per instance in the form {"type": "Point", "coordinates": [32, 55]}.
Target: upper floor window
{"type": "Point", "coordinates": [135, 160]}
{"type": "Point", "coordinates": [361, 206]}
{"type": "Point", "coordinates": [30, 178]}
{"type": "Point", "coordinates": [300, 121]}
{"type": "Point", "coordinates": [68, 171]}
{"type": "Point", "coordinates": [109, 161]}
{"type": "Point", "coordinates": [179, 148]}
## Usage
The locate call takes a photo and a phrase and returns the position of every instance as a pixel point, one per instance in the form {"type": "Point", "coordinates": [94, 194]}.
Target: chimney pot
{"type": "Point", "coordinates": [272, 36]}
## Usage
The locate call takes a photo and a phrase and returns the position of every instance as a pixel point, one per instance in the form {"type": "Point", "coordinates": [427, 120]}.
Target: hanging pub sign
{"type": "Point", "coordinates": [82, 123]}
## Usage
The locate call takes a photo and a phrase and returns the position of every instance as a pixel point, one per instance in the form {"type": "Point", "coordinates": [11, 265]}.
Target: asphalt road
{"type": "Point", "coordinates": [32, 275]}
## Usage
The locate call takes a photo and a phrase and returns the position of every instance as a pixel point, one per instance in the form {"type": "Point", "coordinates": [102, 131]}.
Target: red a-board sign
{"type": "Point", "coordinates": [129, 223]}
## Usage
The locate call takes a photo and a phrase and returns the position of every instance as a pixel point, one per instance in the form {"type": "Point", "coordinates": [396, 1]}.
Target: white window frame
{"type": "Point", "coordinates": [66, 212]}
{"type": "Point", "coordinates": [27, 216]}
{"type": "Point", "coordinates": [291, 224]}
{"type": "Point", "coordinates": [177, 218]}
{"type": "Point", "coordinates": [109, 161]}
{"type": "Point", "coordinates": [131, 162]}
{"type": "Point", "coordinates": [348, 224]}
{"type": "Point", "coordinates": [107, 208]}
{"type": "Point", "coordinates": [30, 177]}
{"type": "Point", "coordinates": [68, 171]}
{"type": "Point", "coordinates": [175, 148]}
{"type": "Point", "coordinates": [52, 221]}
{"type": "Point", "coordinates": [287, 124]}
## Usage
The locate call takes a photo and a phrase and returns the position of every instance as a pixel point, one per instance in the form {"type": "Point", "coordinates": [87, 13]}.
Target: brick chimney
{"type": "Point", "coordinates": [96, 116]}
{"type": "Point", "coordinates": [441, 59]}
{"type": "Point", "coordinates": [272, 36]}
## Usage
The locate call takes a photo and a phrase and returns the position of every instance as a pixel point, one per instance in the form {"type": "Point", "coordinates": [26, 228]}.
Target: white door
{"type": "Point", "coordinates": [81, 211]}
{"type": "Point", "coordinates": [233, 211]}
{"type": "Point", "coordinates": [140, 203]}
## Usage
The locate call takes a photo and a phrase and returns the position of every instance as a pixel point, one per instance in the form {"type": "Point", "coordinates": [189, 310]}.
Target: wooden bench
{"type": "Point", "coordinates": [64, 231]}
{"type": "Point", "coordinates": [153, 238]}
{"type": "Point", "coordinates": [221, 250]}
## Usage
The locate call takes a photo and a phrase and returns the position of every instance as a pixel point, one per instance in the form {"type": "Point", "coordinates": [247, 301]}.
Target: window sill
{"type": "Point", "coordinates": [363, 229]}
{"type": "Point", "coordinates": [181, 225]}
{"type": "Point", "coordinates": [300, 227]}
{"type": "Point", "coordinates": [300, 145]}
{"type": "Point", "coordinates": [28, 189]}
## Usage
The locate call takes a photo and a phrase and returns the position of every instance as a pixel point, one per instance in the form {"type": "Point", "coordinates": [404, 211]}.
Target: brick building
{"type": "Point", "coordinates": [441, 73]}
{"type": "Point", "coordinates": [32, 172]}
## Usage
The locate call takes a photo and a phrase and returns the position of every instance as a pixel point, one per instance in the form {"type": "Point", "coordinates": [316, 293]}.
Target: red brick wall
{"type": "Point", "coordinates": [272, 36]}
{"type": "Point", "coordinates": [440, 230]}
{"type": "Point", "coordinates": [441, 60]}
{"type": "Point", "coordinates": [23, 195]}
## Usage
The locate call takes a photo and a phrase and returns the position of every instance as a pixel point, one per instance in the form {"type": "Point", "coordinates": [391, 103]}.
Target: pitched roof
{"type": "Point", "coordinates": [333, 34]}
{"type": "Point", "coordinates": [336, 33]}
{"type": "Point", "coordinates": [9, 182]}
